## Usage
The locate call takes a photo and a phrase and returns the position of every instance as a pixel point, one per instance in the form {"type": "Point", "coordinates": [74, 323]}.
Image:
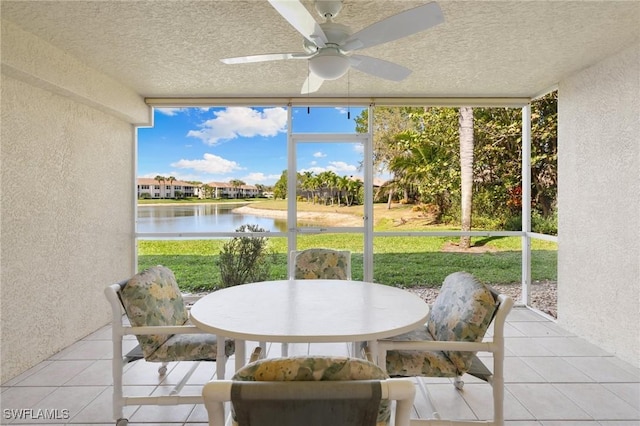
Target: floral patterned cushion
{"type": "Point", "coordinates": [190, 347]}
{"type": "Point", "coordinates": [316, 369]}
{"type": "Point", "coordinates": [418, 363]}
{"type": "Point", "coordinates": [322, 264]}
{"type": "Point", "coordinates": [152, 298]}
{"type": "Point", "coordinates": [462, 311]}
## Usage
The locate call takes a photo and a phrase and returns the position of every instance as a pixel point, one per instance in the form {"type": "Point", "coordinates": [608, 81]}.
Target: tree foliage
{"type": "Point", "coordinates": [280, 188]}
{"type": "Point", "coordinates": [420, 148]}
{"type": "Point", "coordinates": [326, 188]}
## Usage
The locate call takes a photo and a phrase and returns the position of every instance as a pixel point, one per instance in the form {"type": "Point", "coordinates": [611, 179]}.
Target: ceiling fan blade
{"type": "Point", "coordinates": [299, 17]}
{"type": "Point", "coordinates": [264, 58]}
{"type": "Point", "coordinates": [311, 84]}
{"type": "Point", "coordinates": [379, 67]}
{"type": "Point", "coordinates": [398, 26]}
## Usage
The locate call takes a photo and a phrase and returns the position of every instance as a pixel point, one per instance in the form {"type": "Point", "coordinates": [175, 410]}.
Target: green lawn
{"type": "Point", "coordinates": [398, 261]}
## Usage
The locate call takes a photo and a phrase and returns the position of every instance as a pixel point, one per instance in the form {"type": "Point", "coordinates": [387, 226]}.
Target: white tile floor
{"type": "Point", "coordinates": [552, 378]}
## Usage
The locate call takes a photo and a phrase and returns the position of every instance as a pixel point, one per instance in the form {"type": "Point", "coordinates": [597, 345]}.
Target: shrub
{"type": "Point", "coordinates": [485, 222]}
{"type": "Point", "coordinates": [540, 224]}
{"type": "Point", "coordinates": [513, 223]}
{"type": "Point", "coordinates": [244, 259]}
{"type": "Point", "coordinates": [544, 225]}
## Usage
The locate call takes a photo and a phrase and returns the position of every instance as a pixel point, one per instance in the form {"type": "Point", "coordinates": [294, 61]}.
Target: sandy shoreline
{"type": "Point", "coordinates": [330, 219]}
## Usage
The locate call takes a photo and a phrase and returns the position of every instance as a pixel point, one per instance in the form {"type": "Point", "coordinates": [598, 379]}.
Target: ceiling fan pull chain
{"type": "Point", "coordinates": [348, 95]}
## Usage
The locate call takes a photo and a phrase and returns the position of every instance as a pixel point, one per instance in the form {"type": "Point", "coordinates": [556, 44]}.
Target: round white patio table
{"type": "Point", "coordinates": [307, 311]}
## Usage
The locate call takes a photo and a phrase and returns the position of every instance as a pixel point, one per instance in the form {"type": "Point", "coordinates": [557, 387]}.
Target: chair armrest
{"type": "Point", "coordinates": [214, 394]}
{"type": "Point", "coordinates": [458, 346]}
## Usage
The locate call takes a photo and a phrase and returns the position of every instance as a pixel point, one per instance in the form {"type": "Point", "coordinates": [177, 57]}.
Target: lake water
{"type": "Point", "coordinates": [201, 218]}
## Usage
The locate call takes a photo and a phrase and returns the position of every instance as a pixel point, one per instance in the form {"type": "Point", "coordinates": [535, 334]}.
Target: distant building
{"type": "Point", "coordinates": [151, 188]}
{"type": "Point", "coordinates": [226, 190]}
{"type": "Point", "coordinates": [166, 189]}
{"type": "Point", "coordinates": [377, 182]}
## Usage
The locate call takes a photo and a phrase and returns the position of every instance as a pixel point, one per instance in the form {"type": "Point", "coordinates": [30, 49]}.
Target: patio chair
{"type": "Point", "coordinates": [447, 344]}
{"type": "Point", "coordinates": [313, 391]}
{"type": "Point", "coordinates": [321, 263]}
{"type": "Point", "coordinates": [159, 319]}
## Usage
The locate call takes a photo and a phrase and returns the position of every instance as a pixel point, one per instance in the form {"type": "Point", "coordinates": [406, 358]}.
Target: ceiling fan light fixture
{"type": "Point", "coordinates": [329, 64]}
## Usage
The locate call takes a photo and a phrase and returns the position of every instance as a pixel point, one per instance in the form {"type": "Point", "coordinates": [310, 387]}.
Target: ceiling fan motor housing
{"type": "Point", "coordinates": [336, 34]}
{"type": "Point", "coordinates": [329, 64]}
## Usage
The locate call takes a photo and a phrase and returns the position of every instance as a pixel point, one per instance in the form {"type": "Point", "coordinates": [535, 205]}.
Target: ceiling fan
{"type": "Point", "coordinates": [329, 46]}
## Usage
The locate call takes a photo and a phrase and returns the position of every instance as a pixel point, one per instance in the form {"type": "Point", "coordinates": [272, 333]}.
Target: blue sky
{"type": "Point", "coordinates": [250, 144]}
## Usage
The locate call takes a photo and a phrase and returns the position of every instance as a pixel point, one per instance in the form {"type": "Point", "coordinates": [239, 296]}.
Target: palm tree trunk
{"type": "Point", "coordinates": [466, 171]}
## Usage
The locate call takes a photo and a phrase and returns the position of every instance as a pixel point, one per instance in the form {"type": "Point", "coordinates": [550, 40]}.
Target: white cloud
{"type": "Point", "coordinates": [338, 167]}
{"type": "Point", "coordinates": [341, 167]}
{"type": "Point", "coordinates": [258, 177]}
{"type": "Point", "coordinates": [210, 163]}
{"type": "Point", "coordinates": [232, 122]}
{"type": "Point", "coordinates": [314, 170]}
{"type": "Point", "coordinates": [359, 148]}
{"type": "Point", "coordinates": [319, 154]}
{"type": "Point", "coordinates": [170, 111]}
{"type": "Point", "coordinates": [341, 110]}
{"type": "Point", "coordinates": [313, 163]}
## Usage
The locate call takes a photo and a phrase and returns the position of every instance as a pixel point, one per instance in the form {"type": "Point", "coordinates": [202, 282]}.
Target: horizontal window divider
{"type": "Point", "coordinates": [341, 230]}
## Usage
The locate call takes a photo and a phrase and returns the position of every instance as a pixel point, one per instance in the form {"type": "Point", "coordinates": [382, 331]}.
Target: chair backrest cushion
{"type": "Point", "coordinates": [320, 263]}
{"type": "Point", "coordinates": [335, 403]}
{"type": "Point", "coordinates": [152, 298]}
{"type": "Point", "coordinates": [462, 311]}
{"type": "Point", "coordinates": [316, 368]}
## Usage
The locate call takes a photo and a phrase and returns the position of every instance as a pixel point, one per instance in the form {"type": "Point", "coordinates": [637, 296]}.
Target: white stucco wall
{"type": "Point", "coordinates": [599, 204]}
{"type": "Point", "coordinates": [67, 182]}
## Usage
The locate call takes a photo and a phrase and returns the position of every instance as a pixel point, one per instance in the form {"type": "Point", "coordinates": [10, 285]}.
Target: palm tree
{"type": "Point", "coordinates": [160, 179]}
{"type": "Point", "coordinates": [353, 188]}
{"type": "Point", "coordinates": [343, 185]}
{"type": "Point", "coordinates": [328, 183]}
{"type": "Point", "coordinates": [236, 183]}
{"type": "Point", "coordinates": [466, 171]}
{"type": "Point", "coordinates": [171, 179]}
{"type": "Point", "coordinates": [305, 180]}
{"type": "Point", "coordinates": [207, 191]}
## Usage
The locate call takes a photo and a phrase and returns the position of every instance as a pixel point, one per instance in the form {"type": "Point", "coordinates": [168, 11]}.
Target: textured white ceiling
{"type": "Point", "coordinates": [483, 49]}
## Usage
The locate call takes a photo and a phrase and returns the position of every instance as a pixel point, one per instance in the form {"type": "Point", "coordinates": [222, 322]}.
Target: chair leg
{"type": "Point", "coordinates": [497, 383]}
{"type": "Point", "coordinates": [285, 349]}
{"type": "Point", "coordinates": [458, 383]}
